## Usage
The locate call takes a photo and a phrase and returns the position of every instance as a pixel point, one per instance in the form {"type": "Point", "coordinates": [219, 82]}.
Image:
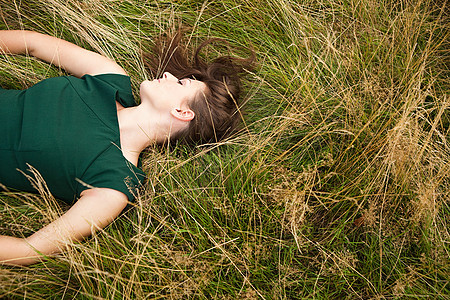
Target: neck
{"type": "Point", "coordinates": [141, 127]}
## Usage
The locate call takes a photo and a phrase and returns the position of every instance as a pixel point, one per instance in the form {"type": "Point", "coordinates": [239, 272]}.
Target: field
{"type": "Point", "coordinates": [336, 186]}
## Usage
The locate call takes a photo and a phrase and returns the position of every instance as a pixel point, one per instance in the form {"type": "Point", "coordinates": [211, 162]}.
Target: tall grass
{"type": "Point", "coordinates": [336, 188]}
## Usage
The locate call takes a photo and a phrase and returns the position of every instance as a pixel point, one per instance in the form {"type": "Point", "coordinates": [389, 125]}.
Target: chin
{"type": "Point", "coordinates": [145, 83]}
{"type": "Point", "coordinates": [144, 88]}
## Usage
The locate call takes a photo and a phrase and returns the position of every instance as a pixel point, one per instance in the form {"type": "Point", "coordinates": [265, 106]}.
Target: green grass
{"type": "Point", "coordinates": [336, 188]}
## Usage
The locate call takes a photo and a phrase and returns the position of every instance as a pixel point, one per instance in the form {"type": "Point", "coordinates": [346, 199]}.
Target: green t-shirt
{"type": "Point", "coordinates": [67, 129]}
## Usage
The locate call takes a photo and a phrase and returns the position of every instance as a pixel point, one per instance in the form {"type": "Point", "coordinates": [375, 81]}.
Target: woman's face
{"type": "Point", "coordinates": [169, 92]}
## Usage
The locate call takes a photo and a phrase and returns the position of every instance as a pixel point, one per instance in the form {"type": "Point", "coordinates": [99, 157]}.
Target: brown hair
{"type": "Point", "coordinates": [217, 110]}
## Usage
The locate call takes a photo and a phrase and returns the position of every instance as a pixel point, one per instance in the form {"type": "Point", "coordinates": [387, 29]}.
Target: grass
{"type": "Point", "coordinates": [337, 188]}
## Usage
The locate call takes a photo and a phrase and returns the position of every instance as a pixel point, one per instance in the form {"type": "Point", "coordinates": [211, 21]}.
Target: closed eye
{"type": "Point", "coordinates": [179, 82]}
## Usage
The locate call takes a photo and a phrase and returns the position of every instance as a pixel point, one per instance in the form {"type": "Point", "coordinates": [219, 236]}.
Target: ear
{"type": "Point", "coordinates": [185, 115]}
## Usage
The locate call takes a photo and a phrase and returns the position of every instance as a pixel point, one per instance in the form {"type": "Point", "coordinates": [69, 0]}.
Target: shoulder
{"type": "Point", "coordinates": [108, 86]}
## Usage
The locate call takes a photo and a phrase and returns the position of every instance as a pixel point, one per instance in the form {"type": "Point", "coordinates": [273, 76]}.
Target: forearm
{"type": "Point", "coordinates": [15, 41]}
{"type": "Point", "coordinates": [52, 239]}
{"type": "Point", "coordinates": [93, 211]}
{"type": "Point", "coordinates": [61, 53]}
{"type": "Point", "coordinates": [16, 251]}
{"type": "Point", "coordinates": [45, 47]}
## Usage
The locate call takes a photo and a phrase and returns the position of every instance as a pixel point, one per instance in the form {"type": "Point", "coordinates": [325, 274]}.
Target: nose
{"type": "Point", "coordinates": [168, 76]}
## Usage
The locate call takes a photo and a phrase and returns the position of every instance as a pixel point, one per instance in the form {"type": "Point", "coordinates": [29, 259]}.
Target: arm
{"type": "Point", "coordinates": [95, 209]}
{"type": "Point", "coordinates": [70, 57]}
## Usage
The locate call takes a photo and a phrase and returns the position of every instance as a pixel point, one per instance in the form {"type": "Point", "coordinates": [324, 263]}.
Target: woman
{"type": "Point", "coordinates": [84, 133]}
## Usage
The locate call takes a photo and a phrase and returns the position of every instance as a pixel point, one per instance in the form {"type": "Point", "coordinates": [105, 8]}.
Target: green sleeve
{"type": "Point", "coordinates": [111, 170]}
